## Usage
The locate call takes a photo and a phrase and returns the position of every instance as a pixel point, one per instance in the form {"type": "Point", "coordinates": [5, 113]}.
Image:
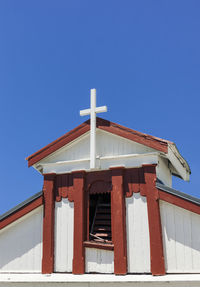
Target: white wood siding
{"type": "Point", "coordinates": [21, 244]}
{"type": "Point", "coordinates": [111, 150]}
{"type": "Point", "coordinates": [110, 144]}
{"type": "Point", "coordinates": [100, 280]}
{"type": "Point", "coordinates": [99, 261]}
{"type": "Point", "coordinates": [64, 230]}
{"type": "Point", "coordinates": [163, 172]}
{"type": "Point", "coordinates": [137, 227]}
{"type": "Point", "coordinates": [181, 239]}
{"type": "Point", "coordinates": [107, 144]}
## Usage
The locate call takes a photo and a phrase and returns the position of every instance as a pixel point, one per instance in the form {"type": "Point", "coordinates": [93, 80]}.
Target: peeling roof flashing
{"type": "Point", "coordinates": [180, 167]}
{"type": "Point", "coordinates": [177, 193]}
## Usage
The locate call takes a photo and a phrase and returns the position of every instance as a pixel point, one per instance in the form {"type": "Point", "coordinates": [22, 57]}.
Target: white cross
{"type": "Point", "coordinates": [92, 112]}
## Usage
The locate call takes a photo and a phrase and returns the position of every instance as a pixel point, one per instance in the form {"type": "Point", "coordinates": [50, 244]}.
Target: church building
{"type": "Point", "coordinates": [107, 213]}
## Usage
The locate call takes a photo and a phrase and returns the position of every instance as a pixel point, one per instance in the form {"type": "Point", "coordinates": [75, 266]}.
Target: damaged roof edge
{"type": "Point", "coordinates": [21, 205]}
{"type": "Point", "coordinates": [180, 157]}
{"type": "Point", "coordinates": [175, 192]}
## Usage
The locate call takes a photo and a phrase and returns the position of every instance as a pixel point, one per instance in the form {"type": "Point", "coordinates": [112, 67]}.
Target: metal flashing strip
{"type": "Point", "coordinates": [21, 205]}
{"type": "Point", "coordinates": [178, 193]}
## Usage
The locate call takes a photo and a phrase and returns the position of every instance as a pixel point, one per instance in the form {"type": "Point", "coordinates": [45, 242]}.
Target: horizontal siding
{"type": "Point", "coordinates": [64, 230]}
{"type": "Point", "coordinates": [75, 156]}
{"type": "Point", "coordinates": [21, 244]}
{"type": "Point", "coordinates": [116, 145]}
{"type": "Point", "coordinates": [80, 148]}
{"type": "Point", "coordinates": [181, 239]}
{"type": "Point", "coordinates": [137, 227]}
{"type": "Point", "coordinates": [99, 261]}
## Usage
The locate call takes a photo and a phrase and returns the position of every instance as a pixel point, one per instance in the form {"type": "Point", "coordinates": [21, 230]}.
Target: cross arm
{"type": "Point", "coordinates": [85, 112]}
{"type": "Point", "coordinates": [102, 109]}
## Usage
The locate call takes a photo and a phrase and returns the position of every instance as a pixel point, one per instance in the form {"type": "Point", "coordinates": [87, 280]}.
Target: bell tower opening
{"type": "Point", "coordinates": [100, 218]}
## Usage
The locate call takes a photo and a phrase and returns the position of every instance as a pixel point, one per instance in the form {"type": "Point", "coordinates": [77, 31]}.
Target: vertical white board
{"type": "Point", "coordinates": [64, 230]}
{"type": "Point", "coordinates": [80, 148]}
{"type": "Point", "coordinates": [181, 239]}
{"type": "Point", "coordinates": [99, 261]}
{"type": "Point", "coordinates": [21, 244]}
{"type": "Point", "coordinates": [163, 171]}
{"type": "Point", "coordinates": [138, 250]}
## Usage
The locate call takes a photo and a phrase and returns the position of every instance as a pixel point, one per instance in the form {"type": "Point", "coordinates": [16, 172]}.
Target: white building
{"type": "Point", "coordinates": [120, 218]}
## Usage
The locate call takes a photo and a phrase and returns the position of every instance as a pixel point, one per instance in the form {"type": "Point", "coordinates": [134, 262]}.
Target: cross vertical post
{"type": "Point", "coordinates": [92, 112]}
{"type": "Point", "coordinates": [93, 129]}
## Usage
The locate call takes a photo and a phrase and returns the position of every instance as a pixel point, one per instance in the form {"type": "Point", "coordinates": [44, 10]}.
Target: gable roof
{"type": "Point", "coordinates": [180, 167]}
{"type": "Point", "coordinates": [147, 140]}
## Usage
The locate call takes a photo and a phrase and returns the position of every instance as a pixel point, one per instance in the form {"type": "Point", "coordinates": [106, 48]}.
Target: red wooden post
{"type": "Point", "coordinates": [155, 230]}
{"type": "Point", "coordinates": [48, 224]}
{"type": "Point", "coordinates": [79, 223]}
{"type": "Point", "coordinates": [118, 221]}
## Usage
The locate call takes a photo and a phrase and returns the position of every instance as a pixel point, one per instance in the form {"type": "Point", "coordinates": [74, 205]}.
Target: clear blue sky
{"type": "Point", "coordinates": [143, 57]}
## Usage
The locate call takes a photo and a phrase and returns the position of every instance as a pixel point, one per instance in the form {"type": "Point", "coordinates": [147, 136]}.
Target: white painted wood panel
{"type": "Point", "coordinates": [181, 239]}
{"type": "Point", "coordinates": [21, 244]}
{"type": "Point", "coordinates": [64, 230]}
{"type": "Point", "coordinates": [107, 144]}
{"type": "Point", "coordinates": [137, 227]}
{"type": "Point", "coordinates": [163, 171]}
{"type": "Point", "coordinates": [99, 280]}
{"type": "Point", "coordinates": [110, 144]}
{"type": "Point", "coordinates": [131, 160]}
{"type": "Point", "coordinates": [111, 150]}
{"type": "Point", "coordinates": [99, 261]}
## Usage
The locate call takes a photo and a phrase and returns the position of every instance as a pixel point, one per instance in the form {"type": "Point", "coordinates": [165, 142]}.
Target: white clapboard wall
{"type": "Point", "coordinates": [99, 261]}
{"type": "Point", "coordinates": [111, 150]}
{"type": "Point", "coordinates": [181, 239]}
{"type": "Point", "coordinates": [138, 250]}
{"type": "Point", "coordinates": [64, 235]}
{"type": "Point", "coordinates": [107, 144]}
{"type": "Point", "coordinates": [21, 244]}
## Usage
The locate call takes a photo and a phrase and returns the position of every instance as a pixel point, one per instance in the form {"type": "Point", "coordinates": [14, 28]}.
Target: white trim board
{"type": "Point", "coordinates": [99, 280]}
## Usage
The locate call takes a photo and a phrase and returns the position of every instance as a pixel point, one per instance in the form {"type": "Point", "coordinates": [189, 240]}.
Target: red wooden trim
{"type": "Point", "coordinates": [131, 181]}
{"type": "Point", "coordinates": [60, 142]}
{"type": "Point", "coordinates": [48, 224]}
{"type": "Point", "coordinates": [147, 140]}
{"type": "Point", "coordinates": [64, 187]}
{"type": "Point", "coordinates": [179, 201]}
{"type": "Point", "coordinates": [104, 246]}
{"type": "Point", "coordinates": [79, 223]}
{"type": "Point", "coordinates": [155, 230]}
{"type": "Point", "coordinates": [21, 212]}
{"type": "Point", "coordinates": [118, 222]}
{"type": "Point", "coordinates": [99, 187]}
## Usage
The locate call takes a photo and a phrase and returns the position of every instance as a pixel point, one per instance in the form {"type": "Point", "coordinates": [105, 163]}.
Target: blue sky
{"type": "Point", "coordinates": [142, 57]}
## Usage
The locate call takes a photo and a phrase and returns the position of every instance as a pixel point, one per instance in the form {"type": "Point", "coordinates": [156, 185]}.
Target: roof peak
{"type": "Point", "coordinates": [103, 124]}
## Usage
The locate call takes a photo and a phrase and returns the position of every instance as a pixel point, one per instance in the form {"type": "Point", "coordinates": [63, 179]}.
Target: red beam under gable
{"type": "Point", "coordinates": [147, 140]}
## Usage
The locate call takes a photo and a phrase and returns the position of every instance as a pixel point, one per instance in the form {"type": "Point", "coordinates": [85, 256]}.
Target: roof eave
{"type": "Point", "coordinates": [180, 166]}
